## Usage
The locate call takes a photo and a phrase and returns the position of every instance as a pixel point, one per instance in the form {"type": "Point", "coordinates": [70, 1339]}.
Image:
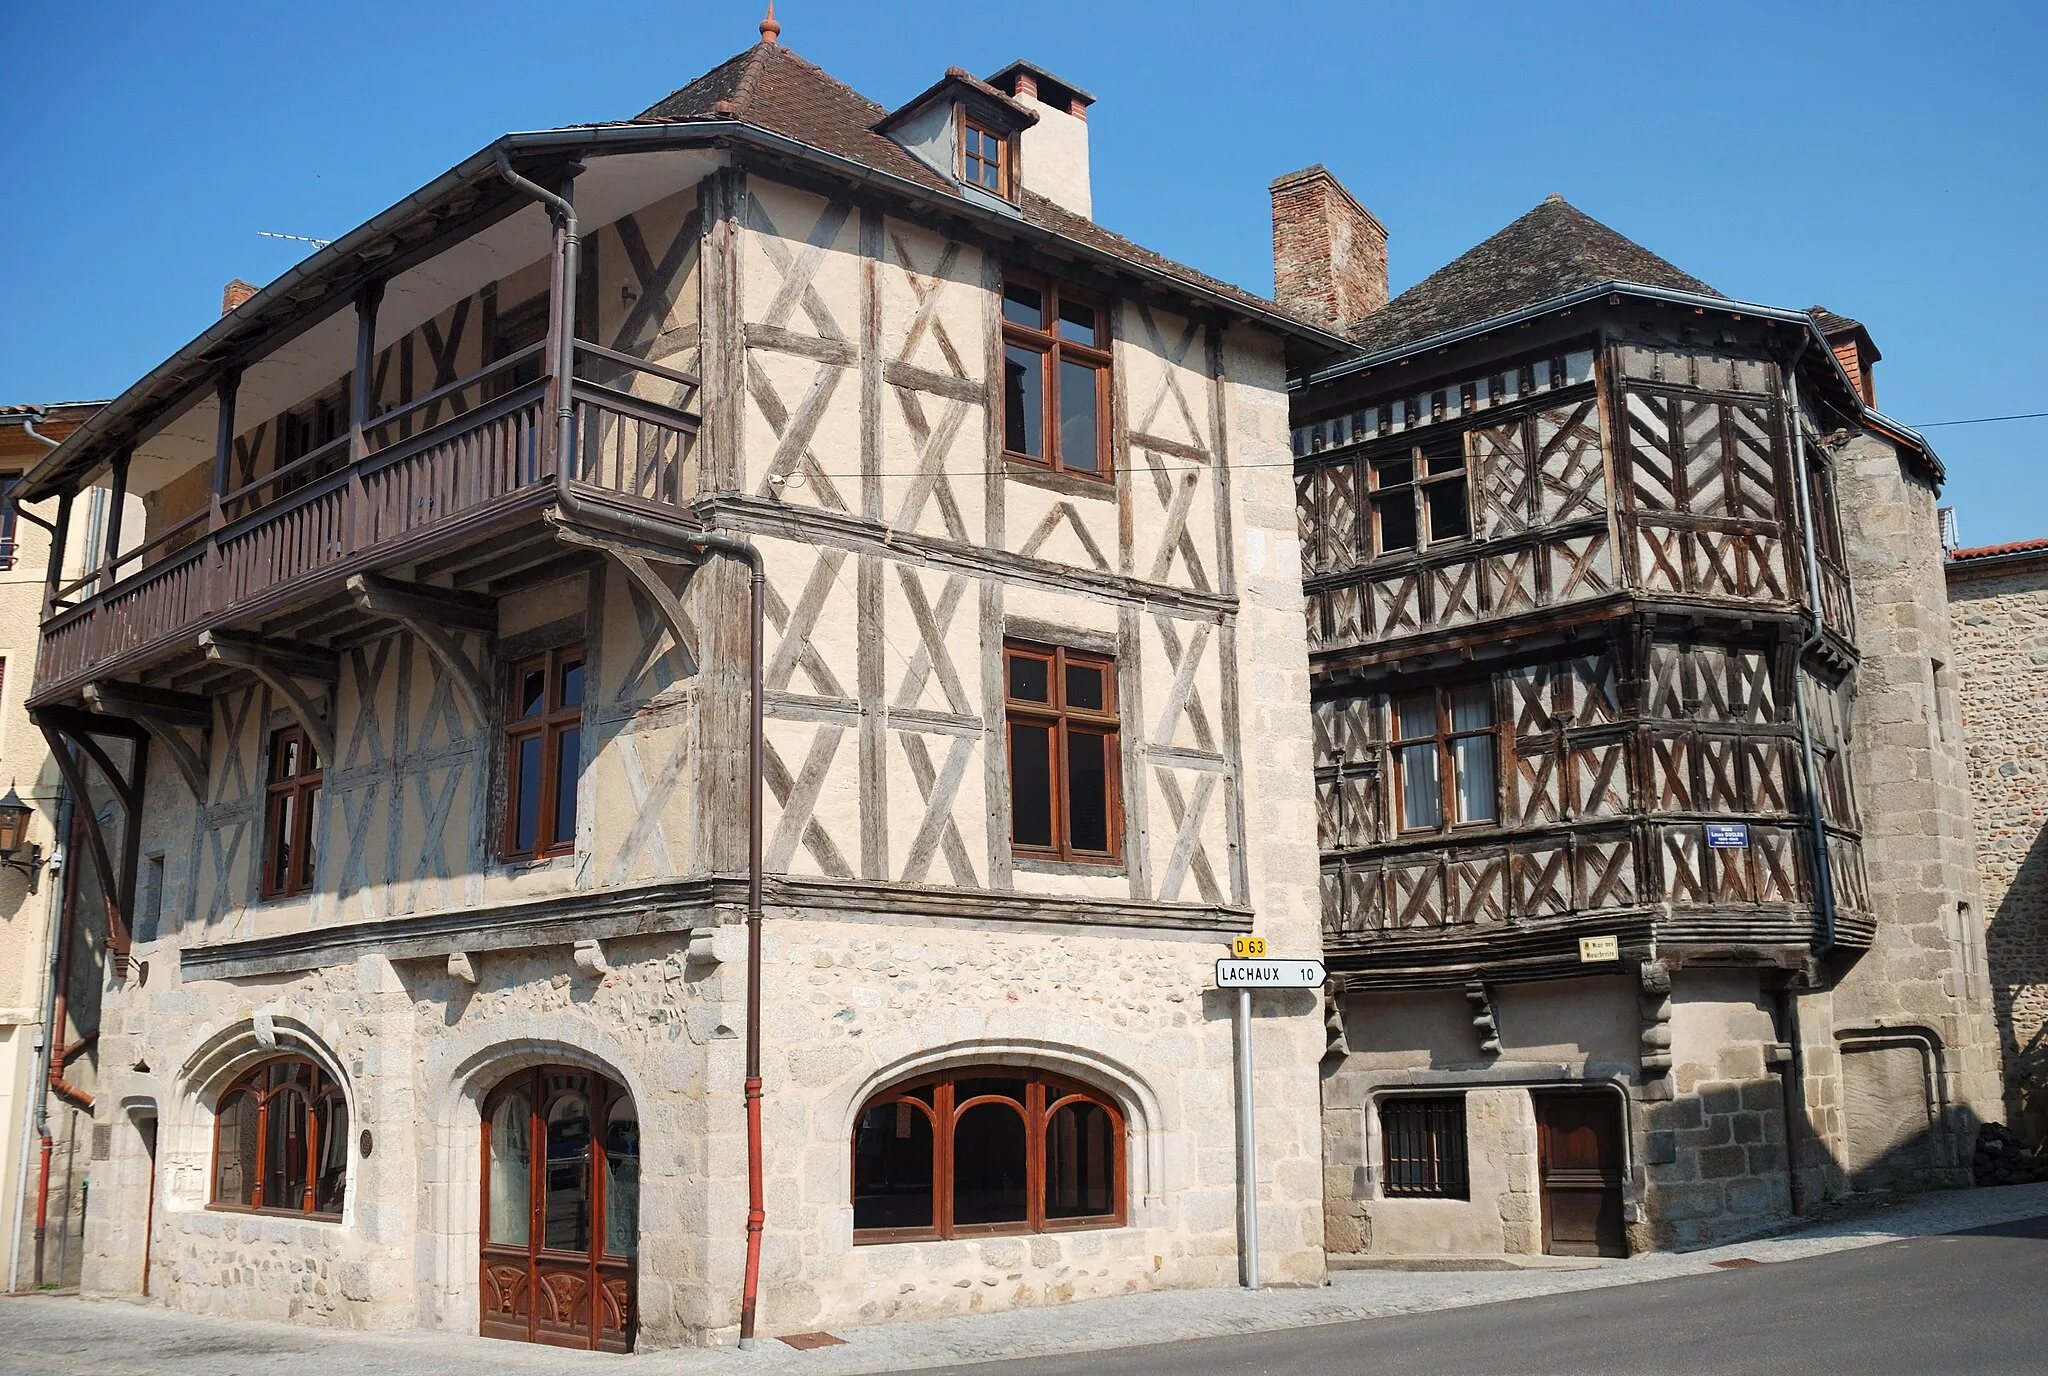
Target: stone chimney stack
{"type": "Point", "coordinates": [1053, 160]}
{"type": "Point", "coordinates": [235, 293]}
{"type": "Point", "coordinates": [1329, 253]}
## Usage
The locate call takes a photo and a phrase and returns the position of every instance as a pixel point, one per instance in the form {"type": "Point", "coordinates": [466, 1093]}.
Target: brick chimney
{"type": "Point", "coordinates": [1054, 157]}
{"type": "Point", "coordinates": [235, 293]}
{"type": "Point", "coordinates": [1329, 253]}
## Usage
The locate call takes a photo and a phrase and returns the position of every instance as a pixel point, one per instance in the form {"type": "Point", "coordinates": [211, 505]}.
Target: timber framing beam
{"type": "Point", "coordinates": [430, 614]}
{"type": "Point", "coordinates": [64, 727]}
{"type": "Point", "coordinates": [280, 666]}
{"type": "Point", "coordinates": [163, 714]}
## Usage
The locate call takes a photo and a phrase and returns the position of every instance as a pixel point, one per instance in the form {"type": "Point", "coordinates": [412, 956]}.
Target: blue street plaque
{"type": "Point", "coordinates": [1728, 835]}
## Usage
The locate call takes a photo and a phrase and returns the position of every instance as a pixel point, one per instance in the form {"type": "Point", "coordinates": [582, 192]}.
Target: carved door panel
{"type": "Point", "coordinates": [560, 1204]}
{"type": "Point", "coordinates": [1579, 1165]}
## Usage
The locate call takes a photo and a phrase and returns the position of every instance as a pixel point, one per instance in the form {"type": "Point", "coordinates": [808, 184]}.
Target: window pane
{"type": "Point", "coordinates": [1024, 401]}
{"type": "Point", "coordinates": [1030, 784]}
{"type": "Point", "coordinates": [1417, 716]}
{"type": "Point", "coordinates": [568, 763]}
{"type": "Point", "coordinates": [1450, 459]}
{"type": "Point", "coordinates": [572, 683]}
{"type": "Point", "coordinates": [1471, 707]}
{"type": "Point", "coordinates": [621, 1180]}
{"type": "Point", "coordinates": [1080, 437]}
{"type": "Point", "coordinates": [1396, 520]}
{"type": "Point", "coordinates": [1077, 322]}
{"type": "Point", "coordinates": [892, 1168]}
{"type": "Point", "coordinates": [1005, 1086]}
{"type": "Point", "coordinates": [525, 792]}
{"type": "Point", "coordinates": [1080, 1159]}
{"type": "Point", "coordinates": [1421, 789]}
{"type": "Point", "coordinates": [284, 757]}
{"type": "Point", "coordinates": [1447, 515]}
{"type": "Point", "coordinates": [1023, 305]}
{"type": "Point", "coordinates": [310, 841]}
{"type": "Point", "coordinates": [283, 828]}
{"type": "Point", "coordinates": [1393, 473]}
{"type": "Point", "coordinates": [284, 1152]}
{"type": "Point", "coordinates": [234, 1164]}
{"type": "Point", "coordinates": [330, 1172]}
{"type": "Point", "coordinates": [532, 692]}
{"type": "Point", "coordinates": [1087, 791]}
{"type": "Point", "coordinates": [511, 1171]}
{"type": "Point", "coordinates": [988, 1165]}
{"type": "Point", "coordinates": [1030, 679]}
{"type": "Point", "coordinates": [1472, 757]}
{"type": "Point", "coordinates": [1084, 687]}
{"type": "Point", "coordinates": [565, 1224]}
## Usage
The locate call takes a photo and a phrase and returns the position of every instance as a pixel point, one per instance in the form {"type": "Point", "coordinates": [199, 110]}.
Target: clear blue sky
{"type": "Point", "coordinates": [1885, 159]}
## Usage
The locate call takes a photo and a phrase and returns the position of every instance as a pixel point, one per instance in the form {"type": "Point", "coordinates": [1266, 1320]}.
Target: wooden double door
{"type": "Point", "coordinates": [561, 1204]}
{"type": "Point", "coordinates": [1579, 1161]}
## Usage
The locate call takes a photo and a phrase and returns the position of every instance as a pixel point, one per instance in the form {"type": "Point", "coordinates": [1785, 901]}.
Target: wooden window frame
{"type": "Point", "coordinates": [1055, 349]}
{"type": "Point", "coordinates": [319, 1088]}
{"type": "Point", "coordinates": [1443, 738]}
{"type": "Point", "coordinates": [1421, 482]}
{"type": "Point", "coordinates": [1004, 158]}
{"type": "Point", "coordinates": [1446, 1170]}
{"type": "Point", "coordinates": [1044, 1095]}
{"type": "Point", "coordinates": [301, 790]}
{"type": "Point", "coordinates": [548, 726]}
{"type": "Point", "coordinates": [1061, 719]}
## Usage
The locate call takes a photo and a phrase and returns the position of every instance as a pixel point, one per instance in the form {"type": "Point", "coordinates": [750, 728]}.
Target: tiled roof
{"type": "Point", "coordinates": [1554, 249]}
{"type": "Point", "coordinates": [771, 87]}
{"type": "Point", "coordinates": [1830, 323]}
{"type": "Point", "coordinates": [1961, 556]}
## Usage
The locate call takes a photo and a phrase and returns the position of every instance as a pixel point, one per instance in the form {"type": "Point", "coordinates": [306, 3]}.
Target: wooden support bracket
{"type": "Point", "coordinates": [163, 714]}
{"type": "Point", "coordinates": [280, 666]}
{"type": "Point", "coordinates": [430, 614]}
{"type": "Point", "coordinates": [636, 558]}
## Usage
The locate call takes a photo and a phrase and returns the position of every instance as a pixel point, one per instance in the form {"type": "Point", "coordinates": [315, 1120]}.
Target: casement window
{"type": "Point", "coordinates": [1062, 717]}
{"type": "Point", "coordinates": [1421, 497]}
{"type": "Point", "coordinates": [543, 753]}
{"type": "Point", "coordinates": [986, 1149]}
{"type": "Point", "coordinates": [291, 816]}
{"type": "Point", "coordinates": [320, 421]}
{"type": "Point", "coordinates": [1056, 360]}
{"type": "Point", "coordinates": [984, 157]}
{"type": "Point", "coordinates": [1422, 1148]}
{"type": "Point", "coordinates": [1820, 493]}
{"type": "Point", "coordinates": [280, 1141]}
{"type": "Point", "coordinates": [1446, 760]}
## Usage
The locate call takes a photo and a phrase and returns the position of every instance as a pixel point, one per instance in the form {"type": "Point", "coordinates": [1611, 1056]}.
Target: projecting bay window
{"type": "Point", "coordinates": [291, 814]}
{"type": "Point", "coordinates": [543, 754]}
{"type": "Point", "coordinates": [1064, 801]}
{"type": "Point", "coordinates": [1056, 364]}
{"type": "Point", "coordinates": [1446, 760]}
{"type": "Point", "coordinates": [1422, 1148]}
{"type": "Point", "coordinates": [1421, 498]}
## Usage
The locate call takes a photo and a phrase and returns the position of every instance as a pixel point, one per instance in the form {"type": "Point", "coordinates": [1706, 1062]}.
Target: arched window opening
{"type": "Point", "coordinates": [280, 1141]}
{"type": "Point", "coordinates": [987, 1149]}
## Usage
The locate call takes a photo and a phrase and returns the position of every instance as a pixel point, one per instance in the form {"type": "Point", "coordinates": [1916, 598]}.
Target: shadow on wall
{"type": "Point", "coordinates": [2016, 944]}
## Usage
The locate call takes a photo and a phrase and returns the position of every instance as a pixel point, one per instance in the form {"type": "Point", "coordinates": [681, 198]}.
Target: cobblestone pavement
{"type": "Point", "coordinates": [42, 1336]}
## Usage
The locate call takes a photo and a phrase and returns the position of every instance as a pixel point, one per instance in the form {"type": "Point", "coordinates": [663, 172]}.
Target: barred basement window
{"type": "Point", "coordinates": [1423, 1148]}
{"type": "Point", "coordinates": [280, 1141]}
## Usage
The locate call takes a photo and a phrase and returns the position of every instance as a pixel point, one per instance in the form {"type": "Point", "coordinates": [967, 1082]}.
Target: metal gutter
{"type": "Point", "coordinates": [186, 371]}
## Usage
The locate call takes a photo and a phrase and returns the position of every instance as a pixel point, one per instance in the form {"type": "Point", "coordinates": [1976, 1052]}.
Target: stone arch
{"type": "Point", "coordinates": [1150, 1134]}
{"type": "Point", "coordinates": [222, 1054]}
{"type": "Point", "coordinates": [460, 1072]}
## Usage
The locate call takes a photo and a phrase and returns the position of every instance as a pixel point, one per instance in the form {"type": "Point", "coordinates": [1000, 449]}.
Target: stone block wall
{"type": "Point", "coordinates": [2000, 612]}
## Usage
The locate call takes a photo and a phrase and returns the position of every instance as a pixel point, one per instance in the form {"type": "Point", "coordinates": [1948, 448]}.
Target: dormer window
{"type": "Point", "coordinates": [984, 157]}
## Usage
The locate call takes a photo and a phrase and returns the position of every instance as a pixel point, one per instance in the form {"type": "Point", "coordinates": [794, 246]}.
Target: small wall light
{"type": "Point", "coordinates": [17, 852]}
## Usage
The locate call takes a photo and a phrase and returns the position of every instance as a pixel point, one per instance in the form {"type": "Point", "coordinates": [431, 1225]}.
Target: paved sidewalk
{"type": "Point", "coordinates": [114, 1338]}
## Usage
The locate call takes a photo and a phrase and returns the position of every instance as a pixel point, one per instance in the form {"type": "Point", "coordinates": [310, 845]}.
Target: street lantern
{"type": "Point", "coordinates": [17, 852]}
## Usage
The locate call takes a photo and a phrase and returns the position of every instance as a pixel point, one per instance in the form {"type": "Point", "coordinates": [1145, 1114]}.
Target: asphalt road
{"type": "Point", "coordinates": [1958, 1302]}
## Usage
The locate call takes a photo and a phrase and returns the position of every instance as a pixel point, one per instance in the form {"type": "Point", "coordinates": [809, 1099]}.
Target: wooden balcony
{"type": "Point", "coordinates": [409, 487]}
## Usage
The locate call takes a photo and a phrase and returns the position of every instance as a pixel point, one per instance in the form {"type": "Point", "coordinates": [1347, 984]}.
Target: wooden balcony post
{"type": "Point", "coordinates": [360, 404]}
{"type": "Point", "coordinates": [223, 442]}
{"type": "Point", "coordinates": [110, 558]}
{"type": "Point", "coordinates": [59, 537]}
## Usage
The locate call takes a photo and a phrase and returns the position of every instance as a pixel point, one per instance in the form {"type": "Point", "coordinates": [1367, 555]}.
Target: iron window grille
{"type": "Point", "coordinates": [1422, 1145]}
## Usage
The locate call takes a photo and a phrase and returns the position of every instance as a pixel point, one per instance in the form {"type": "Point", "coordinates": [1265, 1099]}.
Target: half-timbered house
{"type": "Point", "coordinates": [1646, 879]}
{"type": "Point", "coordinates": [426, 706]}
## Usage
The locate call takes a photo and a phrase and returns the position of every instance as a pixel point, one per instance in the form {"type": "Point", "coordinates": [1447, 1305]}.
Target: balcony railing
{"type": "Point", "coordinates": [416, 481]}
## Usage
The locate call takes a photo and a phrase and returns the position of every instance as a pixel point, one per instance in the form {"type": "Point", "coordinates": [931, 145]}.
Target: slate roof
{"type": "Point", "coordinates": [1551, 251]}
{"type": "Point", "coordinates": [771, 87]}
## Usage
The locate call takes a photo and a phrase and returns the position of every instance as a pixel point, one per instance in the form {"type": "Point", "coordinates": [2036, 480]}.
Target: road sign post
{"type": "Point", "coordinates": [1245, 975]}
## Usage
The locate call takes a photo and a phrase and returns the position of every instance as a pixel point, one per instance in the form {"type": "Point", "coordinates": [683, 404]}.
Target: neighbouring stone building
{"type": "Point", "coordinates": [418, 715]}
{"type": "Point", "coordinates": [1998, 598]}
{"type": "Point", "coordinates": [1604, 662]}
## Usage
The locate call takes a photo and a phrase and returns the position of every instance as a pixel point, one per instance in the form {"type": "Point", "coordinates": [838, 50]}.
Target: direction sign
{"type": "Point", "coordinates": [1270, 974]}
{"type": "Point", "coordinates": [1728, 835]}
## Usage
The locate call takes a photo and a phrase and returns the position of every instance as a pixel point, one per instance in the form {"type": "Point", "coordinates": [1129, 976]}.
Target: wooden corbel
{"type": "Point", "coordinates": [280, 665]}
{"type": "Point", "coordinates": [637, 559]}
{"type": "Point", "coordinates": [430, 614]}
{"type": "Point", "coordinates": [163, 714]}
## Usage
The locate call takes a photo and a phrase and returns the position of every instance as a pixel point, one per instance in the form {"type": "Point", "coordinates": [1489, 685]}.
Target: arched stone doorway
{"type": "Point", "coordinates": [560, 1210]}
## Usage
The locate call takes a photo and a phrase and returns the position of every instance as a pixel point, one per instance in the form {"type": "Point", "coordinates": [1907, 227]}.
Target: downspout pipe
{"type": "Point", "coordinates": [1823, 879]}
{"type": "Point", "coordinates": [46, 1067]}
{"type": "Point", "coordinates": [564, 364]}
{"type": "Point", "coordinates": [28, 427]}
